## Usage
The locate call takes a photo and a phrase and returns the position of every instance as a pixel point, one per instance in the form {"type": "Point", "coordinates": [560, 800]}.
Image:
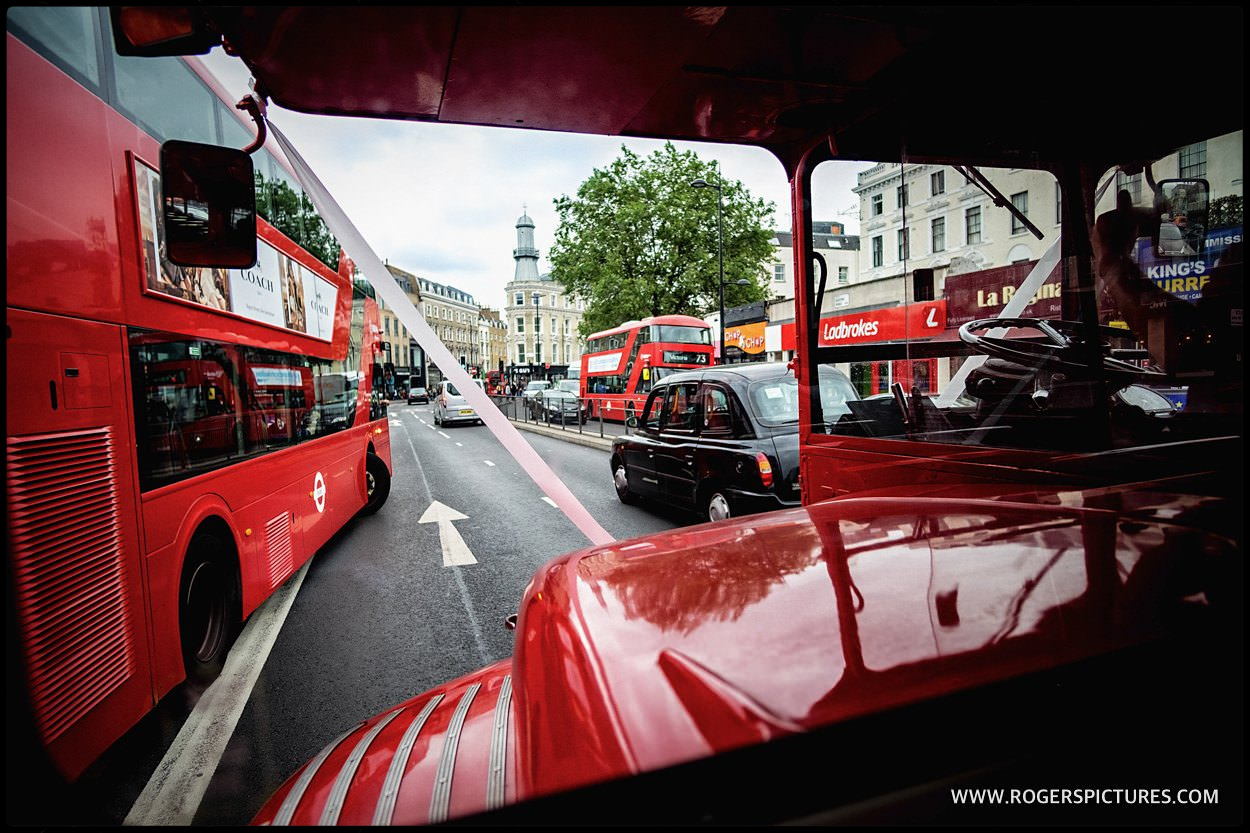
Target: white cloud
{"type": "Point", "coordinates": [442, 201]}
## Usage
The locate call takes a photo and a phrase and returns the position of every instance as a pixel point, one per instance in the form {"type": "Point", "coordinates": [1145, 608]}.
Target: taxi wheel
{"type": "Point", "coordinates": [377, 483]}
{"type": "Point", "coordinates": [717, 506]}
{"type": "Point", "coordinates": [620, 479]}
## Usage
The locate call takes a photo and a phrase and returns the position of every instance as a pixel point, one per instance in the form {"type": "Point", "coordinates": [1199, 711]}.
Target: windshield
{"type": "Point", "coordinates": [776, 402]}
{"type": "Point", "coordinates": [681, 335]}
{"type": "Point", "coordinates": [969, 322]}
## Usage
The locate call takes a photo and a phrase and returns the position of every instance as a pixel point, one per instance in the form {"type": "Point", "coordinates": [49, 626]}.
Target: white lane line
{"type": "Point", "coordinates": [460, 444]}
{"type": "Point", "coordinates": [550, 502]}
{"type": "Point", "coordinates": [176, 788]}
{"type": "Point", "coordinates": [488, 462]}
{"type": "Point", "coordinates": [444, 436]}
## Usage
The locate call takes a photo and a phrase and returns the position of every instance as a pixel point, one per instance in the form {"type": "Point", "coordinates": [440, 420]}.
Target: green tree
{"type": "Point", "coordinates": [638, 240]}
{"type": "Point", "coordinates": [293, 214]}
{"type": "Point", "coordinates": [1225, 212]}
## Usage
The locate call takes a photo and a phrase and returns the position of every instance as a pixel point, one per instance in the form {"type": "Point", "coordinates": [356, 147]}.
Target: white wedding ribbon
{"type": "Point", "coordinates": [353, 242]}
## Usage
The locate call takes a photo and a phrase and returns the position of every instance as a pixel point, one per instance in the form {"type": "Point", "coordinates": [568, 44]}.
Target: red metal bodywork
{"type": "Point", "coordinates": [645, 654]}
{"type": "Point", "coordinates": [74, 287]}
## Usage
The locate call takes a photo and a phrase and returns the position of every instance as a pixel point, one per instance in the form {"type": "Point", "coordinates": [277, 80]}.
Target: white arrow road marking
{"type": "Point", "coordinates": [455, 550]}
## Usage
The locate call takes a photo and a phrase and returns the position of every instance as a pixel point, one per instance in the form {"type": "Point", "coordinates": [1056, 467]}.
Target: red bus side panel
{"type": "Point", "coordinates": [74, 537]}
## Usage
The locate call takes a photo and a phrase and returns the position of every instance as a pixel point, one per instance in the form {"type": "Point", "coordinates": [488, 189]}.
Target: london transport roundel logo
{"type": "Point", "coordinates": [319, 492]}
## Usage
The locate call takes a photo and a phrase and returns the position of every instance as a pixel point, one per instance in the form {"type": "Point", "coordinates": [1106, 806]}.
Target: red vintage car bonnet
{"type": "Point", "coordinates": [685, 644]}
{"type": "Point", "coordinates": [641, 654]}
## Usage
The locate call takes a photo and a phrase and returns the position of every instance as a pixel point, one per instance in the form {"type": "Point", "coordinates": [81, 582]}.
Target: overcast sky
{"type": "Point", "coordinates": [442, 201]}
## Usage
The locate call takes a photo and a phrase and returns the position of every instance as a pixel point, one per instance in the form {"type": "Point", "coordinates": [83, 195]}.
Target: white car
{"type": "Point", "coordinates": [451, 406]}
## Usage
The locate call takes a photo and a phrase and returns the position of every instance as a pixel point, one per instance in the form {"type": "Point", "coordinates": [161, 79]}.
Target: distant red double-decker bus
{"type": "Point", "coordinates": [179, 440]}
{"type": "Point", "coordinates": [620, 365]}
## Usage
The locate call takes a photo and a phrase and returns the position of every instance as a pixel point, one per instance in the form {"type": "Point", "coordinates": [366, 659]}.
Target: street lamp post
{"type": "Point", "coordinates": [720, 252]}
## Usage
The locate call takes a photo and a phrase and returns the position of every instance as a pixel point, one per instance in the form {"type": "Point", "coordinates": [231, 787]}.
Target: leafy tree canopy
{"type": "Point", "coordinates": [638, 240]}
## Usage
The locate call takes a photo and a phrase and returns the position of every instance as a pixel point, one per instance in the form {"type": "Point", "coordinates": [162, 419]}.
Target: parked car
{"type": "Point", "coordinates": [418, 396]}
{"type": "Point", "coordinates": [558, 406]}
{"type": "Point", "coordinates": [451, 406]}
{"type": "Point", "coordinates": [722, 441]}
{"type": "Point", "coordinates": [573, 386]}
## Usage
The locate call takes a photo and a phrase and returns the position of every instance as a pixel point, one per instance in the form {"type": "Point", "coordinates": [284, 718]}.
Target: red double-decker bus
{"type": "Point", "coordinates": [620, 365]}
{"type": "Point", "coordinates": [179, 439]}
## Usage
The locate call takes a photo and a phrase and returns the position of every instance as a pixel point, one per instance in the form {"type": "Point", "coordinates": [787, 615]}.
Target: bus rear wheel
{"type": "Point", "coordinates": [377, 483]}
{"type": "Point", "coordinates": [209, 607]}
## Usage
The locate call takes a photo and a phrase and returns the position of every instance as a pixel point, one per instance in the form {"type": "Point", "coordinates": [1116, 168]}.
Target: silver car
{"type": "Point", "coordinates": [451, 406]}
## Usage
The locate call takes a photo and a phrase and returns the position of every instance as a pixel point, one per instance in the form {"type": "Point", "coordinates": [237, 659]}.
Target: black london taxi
{"type": "Point", "coordinates": [722, 441]}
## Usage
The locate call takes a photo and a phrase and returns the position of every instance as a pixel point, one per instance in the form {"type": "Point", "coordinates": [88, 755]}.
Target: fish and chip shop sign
{"type": "Point", "coordinates": [1185, 276]}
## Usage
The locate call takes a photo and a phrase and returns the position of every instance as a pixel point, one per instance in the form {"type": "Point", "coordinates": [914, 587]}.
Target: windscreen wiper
{"type": "Point", "coordinates": [978, 179]}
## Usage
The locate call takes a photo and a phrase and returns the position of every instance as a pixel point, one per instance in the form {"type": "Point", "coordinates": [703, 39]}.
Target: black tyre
{"type": "Point", "coordinates": [620, 479]}
{"type": "Point", "coordinates": [209, 607]}
{"type": "Point", "coordinates": [377, 483]}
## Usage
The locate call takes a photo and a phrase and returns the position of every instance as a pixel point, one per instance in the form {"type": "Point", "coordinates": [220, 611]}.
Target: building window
{"type": "Point", "coordinates": [538, 324]}
{"type": "Point", "coordinates": [972, 225]}
{"type": "Point", "coordinates": [520, 299]}
{"type": "Point", "coordinates": [843, 276]}
{"type": "Point", "coordinates": [1021, 202]}
{"type": "Point", "coordinates": [901, 196]}
{"type": "Point", "coordinates": [904, 251]}
{"type": "Point", "coordinates": [520, 324]}
{"type": "Point", "coordinates": [520, 354]}
{"type": "Point", "coordinates": [1193, 161]}
{"type": "Point", "coordinates": [1132, 184]}
{"type": "Point", "coordinates": [877, 207]}
{"type": "Point", "coordinates": [566, 327]}
{"type": "Point", "coordinates": [878, 251]}
{"type": "Point", "coordinates": [937, 233]}
{"type": "Point", "coordinates": [779, 273]}
{"type": "Point", "coordinates": [937, 183]}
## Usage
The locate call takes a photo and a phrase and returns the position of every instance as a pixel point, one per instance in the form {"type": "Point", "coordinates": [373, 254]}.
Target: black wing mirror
{"type": "Point", "coordinates": [1182, 206]}
{"type": "Point", "coordinates": [209, 205]}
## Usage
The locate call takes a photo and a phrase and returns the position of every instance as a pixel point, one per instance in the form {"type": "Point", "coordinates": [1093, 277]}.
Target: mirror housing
{"type": "Point", "coordinates": [158, 31]}
{"type": "Point", "coordinates": [209, 205]}
{"type": "Point", "coordinates": [1181, 207]}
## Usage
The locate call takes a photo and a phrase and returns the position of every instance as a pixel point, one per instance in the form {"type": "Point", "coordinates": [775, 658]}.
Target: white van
{"type": "Point", "coordinates": [451, 406]}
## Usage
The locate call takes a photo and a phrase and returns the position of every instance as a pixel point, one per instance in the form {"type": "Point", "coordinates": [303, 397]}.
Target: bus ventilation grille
{"type": "Point", "coordinates": [71, 593]}
{"type": "Point", "coordinates": [278, 541]}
